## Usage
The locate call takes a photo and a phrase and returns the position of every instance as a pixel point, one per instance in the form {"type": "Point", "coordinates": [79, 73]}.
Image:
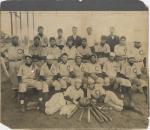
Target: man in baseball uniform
{"type": "Point", "coordinates": [139, 53]}
{"type": "Point", "coordinates": [70, 50]}
{"type": "Point", "coordinates": [94, 70]}
{"type": "Point", "coordinates": [28, 76]}
{"type": "Point", "coordinates": [64, 69]}
{"type": "Point", "coordinates": [53, 49]}
{"type": "Point", "coordinates": [121, 50]}
{"type": "Point", "coordinates": [84, 50]}
{"type": "Point", "coordinates": [14, 54]}
{"type": "Point", "coordinates": [49, 71]}
{"type": "Point", "coordinates": [43, 38]}
{"type": "Point", "coordinates": [101, 50]}
{"type": "Point", "coordinates": [36, 51]}
{"type": "Point", "coordinates": [110, 69]}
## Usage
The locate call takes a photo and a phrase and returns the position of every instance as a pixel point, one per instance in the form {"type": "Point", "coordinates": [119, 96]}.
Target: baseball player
{"type": "Point", "coordinates": [91, 38]}
{"type": "Point", "coordinates": [94, 70]}
{"type": "Point", "coordinates": [53, 49]}
{"type": "Point", "coordinates": [15, 55]}
{"type": "Point", "coordinates": [65, 101]}
{"type": "Point", "coordinates": [121, 50]}
{"type": "Point", "coordinates": [93, 89]}
{"type": "Point", "coordinates": [43, 38]}
{"type": "Point", "coordinates": [78, 69]}
{"type": "Point", "coordinates": [72, 96]}
{"type": "Point", "coordinates": [111, 99]}
{"type": "Point", "coordinates": [139, 53]}
{"type": "Point", "coordinates": [64, 69]}
{"type": "Point", "coordinates": [84, 50]}
{"type": "Point", "coordinates": [48, 71]}
{"type": "Point", "coordinates": [36, 51]}
{"type": "Point", "coordinates": [130, 77]}
{"type": "Point", "coordinates": [60, 41]}
{"type": "Point", "coordinates": [27, 76]}
{"type": "Point", "coordinates": [70, 50]}
{"type": "Point", "coordinates": [110, 69]}
{"type": "Point", "coordinates": [101, 50]}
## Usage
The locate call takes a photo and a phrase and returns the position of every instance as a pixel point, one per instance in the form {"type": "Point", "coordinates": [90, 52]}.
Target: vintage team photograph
{"type": "Point", "coordinates": [74, 69]}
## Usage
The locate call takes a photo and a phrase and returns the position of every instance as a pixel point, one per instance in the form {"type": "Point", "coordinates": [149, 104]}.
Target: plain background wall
{"type": "Point", "coordinates": [132, 24]}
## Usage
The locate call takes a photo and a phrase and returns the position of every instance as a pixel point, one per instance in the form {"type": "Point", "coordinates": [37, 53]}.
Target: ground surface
{"type": "Point", "coordinates": [12, 117]}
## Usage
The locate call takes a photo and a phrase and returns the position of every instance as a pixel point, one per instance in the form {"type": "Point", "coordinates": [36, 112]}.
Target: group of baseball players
{"type": "Point", "coordinates": [106, 70]}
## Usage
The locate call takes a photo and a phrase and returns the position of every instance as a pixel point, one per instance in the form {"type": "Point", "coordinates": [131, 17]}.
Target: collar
{"type": "Point", "coordinates": [49, 65]}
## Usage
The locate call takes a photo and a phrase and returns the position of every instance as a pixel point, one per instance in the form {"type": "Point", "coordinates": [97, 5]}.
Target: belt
{"type": "Point", "coordinates": [139, 61]}
{"type": "Point", "coordinates": [15, 60]}
{"type": "Point", "coordinates": [70, 59]}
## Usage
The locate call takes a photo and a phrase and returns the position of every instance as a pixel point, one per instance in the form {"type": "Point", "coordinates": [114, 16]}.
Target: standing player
{"type": "Point", "coordinates": [43, 38]}
{"type": "Point", "coordinates": [139, 53]}
{"type": "Point", "coordinates": [121, 50]}
{"type": "Point", "coordinates": [60, 41]}
{"type": "Point", "coordinates": [91, 39]}
{"type": "Point", "coordinates": [15, 55]}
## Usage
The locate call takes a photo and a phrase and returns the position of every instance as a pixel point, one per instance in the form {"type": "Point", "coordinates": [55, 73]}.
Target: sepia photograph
{"type": "Point", "coordinates": [74, 69]}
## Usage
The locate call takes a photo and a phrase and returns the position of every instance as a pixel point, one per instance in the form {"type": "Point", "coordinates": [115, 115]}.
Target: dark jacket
{"type": "Point", "coordinates": [76, 42]}
{"type": "Point", "coordinates": [112, 42]}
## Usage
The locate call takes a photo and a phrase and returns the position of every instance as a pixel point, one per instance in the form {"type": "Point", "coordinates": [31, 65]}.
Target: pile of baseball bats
{"type": "Point", "coordinates": [91, 109]}
{"type": "Point", "coordinates": [99, 115]}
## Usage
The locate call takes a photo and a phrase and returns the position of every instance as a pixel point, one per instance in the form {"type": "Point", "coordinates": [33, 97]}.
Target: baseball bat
{"type": "Point", "coordinates": [96, 116]}
{"type": "Point", "coordinates": [81, 115]}
{"type": "Point", "coordinates": [73, 112]}
{"type": "Point", "coordinates": [99, 114]}
{"type": "Point", "coordinates": [100, 111]}
{"type": "Point", "coordinates": [89, 114]}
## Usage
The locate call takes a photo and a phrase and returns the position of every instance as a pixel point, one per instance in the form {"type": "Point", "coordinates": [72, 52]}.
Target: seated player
{"type": "Point", "coordinates": [93, 70]}
{"type": "Point", "coordinates": [130, 77]}
{"type": "Point", "coordinates": [70, 50]}
{"type": "Point", "coordinates": [49, 71]}
{"type": "Point", "coordinates": [101, 50]}
{"type": "Point", "coordinates": [84, 50]}
{"type": "Point", "coordinates": [63, 76]}
{"type": "Point", "coordinates": [28, 76]}
{"type": "Point", "coordinates": [110, 69]}
{"type": "Point", "coordinates": [78, 69]}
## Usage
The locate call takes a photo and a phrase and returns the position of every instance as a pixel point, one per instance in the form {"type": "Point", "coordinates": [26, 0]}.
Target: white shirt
{"type": "Point", "coordinates": [91, 40]}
